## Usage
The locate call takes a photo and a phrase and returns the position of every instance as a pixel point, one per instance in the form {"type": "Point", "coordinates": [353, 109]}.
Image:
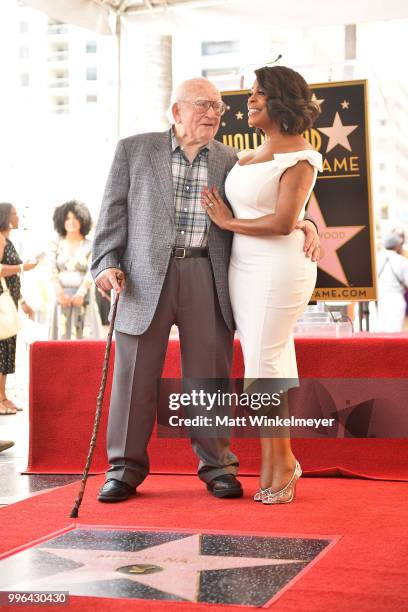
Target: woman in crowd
{"type": "Point", "coordinates": [75, 313]}
{"type": "Point", "coordinates": [270, 278]}
{"type": "Point", "coordinates": [11, 267]}
{"type": "Point", "coordinates": [392, 284]}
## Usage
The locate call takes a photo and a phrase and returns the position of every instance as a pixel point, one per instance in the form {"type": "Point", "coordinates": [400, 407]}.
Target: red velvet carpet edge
{"type": "Point", "coordinates": [365, 570]}
{"type": "Point", "coordinates": [62, 409]}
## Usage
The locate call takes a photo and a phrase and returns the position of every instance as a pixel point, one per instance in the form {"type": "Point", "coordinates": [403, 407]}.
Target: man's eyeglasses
{"type": "Point", "coordinates": [202, 106]}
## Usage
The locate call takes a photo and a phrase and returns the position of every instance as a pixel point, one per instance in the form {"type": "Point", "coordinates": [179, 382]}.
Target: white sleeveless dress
{"type": "Point", "coordinates": [270, 278]}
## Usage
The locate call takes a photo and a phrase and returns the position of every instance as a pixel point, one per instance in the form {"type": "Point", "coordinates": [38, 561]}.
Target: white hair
{"type": "Point", "coordinates": [182, 90]}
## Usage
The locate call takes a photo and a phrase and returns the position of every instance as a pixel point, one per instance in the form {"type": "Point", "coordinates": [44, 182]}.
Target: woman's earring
{"type": "Point", "coordinates": [285, 127]}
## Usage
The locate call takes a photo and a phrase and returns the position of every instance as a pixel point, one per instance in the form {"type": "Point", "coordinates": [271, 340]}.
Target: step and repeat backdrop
{"type": "Point", "coordinates": [341, 201]}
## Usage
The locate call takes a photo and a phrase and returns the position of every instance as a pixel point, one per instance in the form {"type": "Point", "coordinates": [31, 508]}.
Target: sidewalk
{"type": "Point", "coordinates": [15, 486]}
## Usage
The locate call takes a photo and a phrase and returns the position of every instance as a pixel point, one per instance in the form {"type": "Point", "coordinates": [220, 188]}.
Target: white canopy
{"type": "Point", "coordinates": [85, 13]}
{"type": "Point", "coordinates": [219, 16]}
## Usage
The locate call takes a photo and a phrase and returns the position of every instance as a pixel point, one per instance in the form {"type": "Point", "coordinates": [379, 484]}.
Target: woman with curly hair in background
{"type": "Point", "coordinates": [75, 314]}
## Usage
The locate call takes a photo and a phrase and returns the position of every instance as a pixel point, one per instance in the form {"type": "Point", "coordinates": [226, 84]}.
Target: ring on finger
{"type": "Point", "coordinates": [210, 204]}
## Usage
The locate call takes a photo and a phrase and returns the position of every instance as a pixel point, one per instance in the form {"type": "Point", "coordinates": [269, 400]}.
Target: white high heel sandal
{"type": "Point", "coordinates": [285, 495]}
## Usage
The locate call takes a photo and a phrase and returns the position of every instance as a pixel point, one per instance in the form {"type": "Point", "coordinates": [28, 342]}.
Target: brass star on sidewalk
{"type": "Point", "coordinates": [338, 133]}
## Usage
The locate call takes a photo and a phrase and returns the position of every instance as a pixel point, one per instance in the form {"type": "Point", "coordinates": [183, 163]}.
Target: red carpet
{"type": "Point", "coordinates": [64, 382]}
{"type": "Point", "coordinates": [365, 571]}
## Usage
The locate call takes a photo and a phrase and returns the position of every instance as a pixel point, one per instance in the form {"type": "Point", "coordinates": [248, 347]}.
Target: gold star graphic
{"type": "Point", "coordinates": [338, 133]}
{"type": "Point", "coordinates": [223, 124]}
{"type": "Point", "coordinates": [316, 101]}
{"type": "Point", "coordinates": [239, 115]}
{"type": "Point", "coordinates": [345, 104]}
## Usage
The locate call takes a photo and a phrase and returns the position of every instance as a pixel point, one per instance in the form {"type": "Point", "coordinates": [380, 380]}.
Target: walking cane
{"type": "Point", "coordinates": [99, 402]}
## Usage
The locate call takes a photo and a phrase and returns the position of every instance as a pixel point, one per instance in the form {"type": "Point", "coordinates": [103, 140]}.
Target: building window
{"type": "Point", "coordinates": [91, 46]}
{"type": "Point", "coordinates": [91, 99]}
{"type": "Point", "coordinates": [382, 166]}
{"type": "Point", "coordinates": [59, 77]}
{"type": "Point", "coordinates": [23, 53]}
{"type": "Point", "coordinates": [24, 79]}
{"type": "Point", "coordinates": [23, 27]}
{"type": "Point", "coordinates": [56, 27]}
{"type": "Point", "coordinates": [216, 47]}
{"type": "Point", "coordinates": [58, 51]}
{"type": "Point", "coordinates": [60, 104]}
{"type": "Point", "coordinates": [219, 72]}
{"type": "Point", "coordinates": [225, 79]}
{"type": "Point", "coordinates": [91, 73]}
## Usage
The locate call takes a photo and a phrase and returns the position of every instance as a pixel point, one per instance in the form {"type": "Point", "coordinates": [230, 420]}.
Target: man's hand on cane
{"type": "Point", "coordinates": [111, 278]}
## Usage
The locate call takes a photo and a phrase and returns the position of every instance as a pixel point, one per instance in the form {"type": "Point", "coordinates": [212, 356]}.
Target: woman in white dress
{"type": "Point", "coordinates": [271, 280]}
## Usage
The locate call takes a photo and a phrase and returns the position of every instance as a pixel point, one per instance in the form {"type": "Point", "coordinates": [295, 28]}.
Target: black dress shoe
{"type": "Point", "coordinates": [115, 491]}
{"type": "Point", "coordinates": [225, 486]}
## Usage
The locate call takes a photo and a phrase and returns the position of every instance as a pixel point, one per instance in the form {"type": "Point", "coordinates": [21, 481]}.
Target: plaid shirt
{"type": "Point", "coordinates": [189, 179]}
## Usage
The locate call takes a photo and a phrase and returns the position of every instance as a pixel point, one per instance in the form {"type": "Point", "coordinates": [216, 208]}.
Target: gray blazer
{"type": "Point", "coordinates": [136, 226]}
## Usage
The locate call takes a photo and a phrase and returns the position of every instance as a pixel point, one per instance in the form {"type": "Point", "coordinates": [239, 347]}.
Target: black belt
{"type": "Point", "coordinates": [181, 252]}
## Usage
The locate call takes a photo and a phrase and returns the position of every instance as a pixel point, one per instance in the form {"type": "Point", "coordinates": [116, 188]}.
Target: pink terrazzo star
{"type": "Point", "coordinates": [331, 239]}
{"type": "Point", "coordinates": [178, 564]}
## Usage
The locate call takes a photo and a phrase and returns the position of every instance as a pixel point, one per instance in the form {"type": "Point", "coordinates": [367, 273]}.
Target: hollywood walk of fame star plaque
{"type": "Point", "coordinates": [173, 566]}
{"type": "Point", "coordinates": [341, 200]}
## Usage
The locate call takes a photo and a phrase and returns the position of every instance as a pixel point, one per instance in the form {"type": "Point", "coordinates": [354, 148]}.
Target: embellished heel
{"type": "Point", "coordinates": [261, 493]}
{"type": "Point", "coordinates": [285, 495]}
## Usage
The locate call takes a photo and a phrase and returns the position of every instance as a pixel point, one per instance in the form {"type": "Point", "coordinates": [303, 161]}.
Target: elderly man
{"type": "Point", "coordinates": [155, 245]}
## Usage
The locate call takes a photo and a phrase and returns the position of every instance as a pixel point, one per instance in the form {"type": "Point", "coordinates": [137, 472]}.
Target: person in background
{"type": "Point", "coordinates": [11, 266]}
{"type": "Point", "coordinates": [399, 231]}
{"type": "Point", "coordinates": [392, 284]}
{"type": "Point", "coordinates": [74, 313]}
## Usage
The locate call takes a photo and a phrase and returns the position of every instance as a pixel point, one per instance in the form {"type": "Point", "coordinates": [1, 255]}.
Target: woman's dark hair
{"type": "Point", "coordinates": [80, 211]}
{"type": "Point", "coordinates": [289, 99]}
{"type": "Point", "coordinates": [5, 212]}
